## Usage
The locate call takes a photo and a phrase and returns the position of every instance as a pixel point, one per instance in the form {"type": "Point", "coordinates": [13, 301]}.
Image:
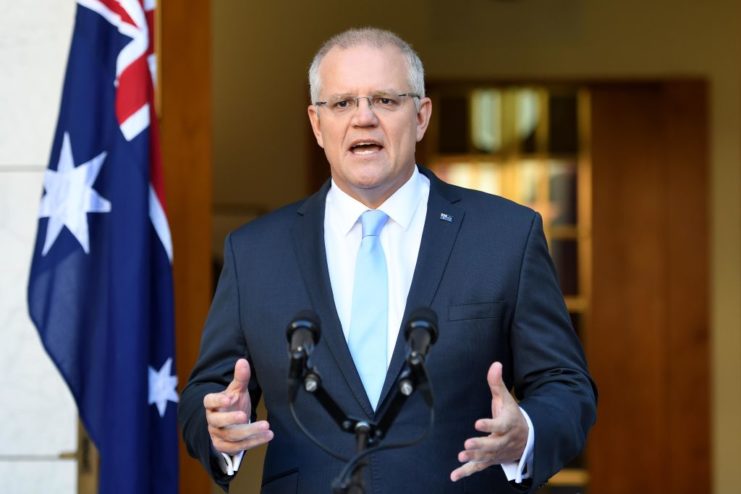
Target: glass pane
{"type": "Point", "coordinates": [528, 115]}
{"type": "Point", "coordinates": [483, 176]}
{"type": "Point", "coordinates": [528, 177]}
{"type": "Point", "coordinates": [562, 125]}
{"type": "Point", "coordinates": [565, 257]}
{"type": "Point", "coordinates": [486, 120]}
{"type": "Point", "coordinates": [563, 193]}
{"type": "Point", "coordinates": [454, 123]}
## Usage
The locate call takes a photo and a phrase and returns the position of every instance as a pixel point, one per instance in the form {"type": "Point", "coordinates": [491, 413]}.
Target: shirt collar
{"type": "Point", "coordinates": [400, 207]}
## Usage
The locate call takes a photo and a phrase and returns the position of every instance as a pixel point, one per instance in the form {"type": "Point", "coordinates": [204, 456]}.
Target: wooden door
{"type": "Point", "coordinates": [648, 344]}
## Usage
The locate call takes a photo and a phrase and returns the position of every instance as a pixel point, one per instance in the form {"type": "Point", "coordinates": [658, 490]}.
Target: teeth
{"type": "Point", "coordinates": [365, 147]}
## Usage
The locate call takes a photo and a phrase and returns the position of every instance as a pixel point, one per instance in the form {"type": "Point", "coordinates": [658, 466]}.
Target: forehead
{"type": "Point", "coordinates": [363, 68]}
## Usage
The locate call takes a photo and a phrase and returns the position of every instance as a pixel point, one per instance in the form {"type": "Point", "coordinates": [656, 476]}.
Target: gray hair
{"type": "Point", "coordinates": [369, 36]}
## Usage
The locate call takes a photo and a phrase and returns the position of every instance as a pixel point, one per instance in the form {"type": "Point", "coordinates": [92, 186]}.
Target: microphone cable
{"type": "Point", "coordinates": [347, 471]}
{"type": "Point", "coordinates": [313, 439]}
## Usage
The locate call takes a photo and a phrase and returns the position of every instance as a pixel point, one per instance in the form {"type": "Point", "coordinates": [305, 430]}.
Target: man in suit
{"type": "Point", "coordinates": [479, 261]}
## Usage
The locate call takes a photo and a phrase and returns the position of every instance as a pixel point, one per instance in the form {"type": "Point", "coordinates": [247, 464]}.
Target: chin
{"type": "Point", "coordinates": [367, 173]}
{"type": "Point", "coordinates": [365, 184]}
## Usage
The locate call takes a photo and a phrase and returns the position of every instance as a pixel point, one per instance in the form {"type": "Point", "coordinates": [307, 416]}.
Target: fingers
{"type": "Point", "coordinates": [238, 432]}
{"type": "Point", "coordinates": [505, 443]}
{"type": "Point", "coordinates": [215, 401]}
{"type": "Point", "coordinates": [498, 426]}
{"type": "Point", "coordinates": [226, 419]}
{"type": "Point", "coordinates": [499, 392]}
{"type": "Point", "coordinates": [241, 377]}
{"type": "Point", "coordinates": [496, 449]}
{"type": "Point", "coordinates": [475, 445]}
{"type": "Point", "coordinates": [236, 396]}
{"type": "Point", "coordinates": [228, 414]}
{"type": "Point", "coordinates": [240, 437]}
{"type": "Point", "coordinates": [468, 469]}
{"type": "Point", "coordinates": [505, 412]}
{"type": "Point", "coordinates": [483, 452]}
{"type": "Point", "coordinates": [506, 431]}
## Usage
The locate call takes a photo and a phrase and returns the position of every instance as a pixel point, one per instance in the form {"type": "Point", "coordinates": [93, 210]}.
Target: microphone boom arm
{"type": "Point", "coordinates": [303, 333]}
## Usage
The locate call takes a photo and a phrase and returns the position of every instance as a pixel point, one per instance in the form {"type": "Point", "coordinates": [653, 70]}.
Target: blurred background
{"type": "Point", "coordinates": [619, 121]}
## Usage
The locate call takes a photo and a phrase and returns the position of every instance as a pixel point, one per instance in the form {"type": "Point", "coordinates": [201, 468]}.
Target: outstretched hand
{"type": "Point", "coordinates": [507, 431]}
{"type": "Point", "coordinates": [228, 415]}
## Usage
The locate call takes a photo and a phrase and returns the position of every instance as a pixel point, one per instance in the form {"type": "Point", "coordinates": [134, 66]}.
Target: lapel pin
{"type": "Point", "coordinates": [446, 217]}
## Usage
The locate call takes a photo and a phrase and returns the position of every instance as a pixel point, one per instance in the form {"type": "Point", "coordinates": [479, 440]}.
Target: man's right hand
{"type": "Point", "coordinates": [228, 415]}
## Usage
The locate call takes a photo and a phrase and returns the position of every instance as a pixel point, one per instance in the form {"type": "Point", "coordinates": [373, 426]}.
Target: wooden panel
{"type": "Point", "coordinates": [186, 149]}
{"type": "Point", "coordinates": [628, 322]}
{"type": "Point", "coordinates": [647, 345]}
{"type": "Point", "coordinates": [685, 110]}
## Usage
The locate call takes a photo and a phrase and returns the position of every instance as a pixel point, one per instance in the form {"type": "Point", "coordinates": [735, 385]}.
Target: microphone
{"type": "Point", "coordinates": [421, 332]}
{"type": "Point", "coordinates": [302, 334]}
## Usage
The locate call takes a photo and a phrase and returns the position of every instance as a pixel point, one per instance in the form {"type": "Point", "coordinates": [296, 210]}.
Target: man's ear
{"type": "Point", "coordinates": [423, 117]}
{"type": "Point", "coordinates": [314, 119]}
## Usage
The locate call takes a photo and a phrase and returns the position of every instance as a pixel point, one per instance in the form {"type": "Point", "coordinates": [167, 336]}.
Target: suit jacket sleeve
{"type": "Point", "coordinates": [222, 344]}
{"type": "Point", "coordinates": [549, 369]}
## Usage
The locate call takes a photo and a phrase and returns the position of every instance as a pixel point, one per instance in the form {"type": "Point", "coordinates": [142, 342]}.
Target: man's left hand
{"type": "Point", "coordinates": [507, 431]}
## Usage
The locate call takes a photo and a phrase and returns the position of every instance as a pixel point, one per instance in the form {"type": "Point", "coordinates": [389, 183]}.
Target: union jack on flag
{"type": "Point", "coordinates": [100, 288]}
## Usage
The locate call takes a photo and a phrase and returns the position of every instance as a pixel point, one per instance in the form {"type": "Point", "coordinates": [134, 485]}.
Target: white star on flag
{"type": "Point", "coordinates": [70, 196]}
{"type": "Point", "coordinates": [162, 386]}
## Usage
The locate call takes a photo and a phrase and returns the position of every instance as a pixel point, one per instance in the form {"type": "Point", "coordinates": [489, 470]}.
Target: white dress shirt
{"type": "Point", "coordinates": [400, 239]}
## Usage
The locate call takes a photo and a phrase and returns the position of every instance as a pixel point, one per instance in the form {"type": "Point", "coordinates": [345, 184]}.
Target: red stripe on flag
{"type": "Point", "coordinates": [115, 7]}
{"type": "Point", "coordinates": [132, 89]}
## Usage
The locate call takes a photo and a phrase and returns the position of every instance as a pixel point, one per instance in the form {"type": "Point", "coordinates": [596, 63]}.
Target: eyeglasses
{"type": "Point", "coordinates": [342, 105]}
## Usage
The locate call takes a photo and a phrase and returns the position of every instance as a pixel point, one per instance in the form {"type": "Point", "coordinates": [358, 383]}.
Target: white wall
{"type": "Point", "coordinates": [38, 419]}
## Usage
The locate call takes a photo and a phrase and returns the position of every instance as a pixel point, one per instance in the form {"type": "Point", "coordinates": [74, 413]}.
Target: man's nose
{"type": "Point", "coordinates": [364, 114]}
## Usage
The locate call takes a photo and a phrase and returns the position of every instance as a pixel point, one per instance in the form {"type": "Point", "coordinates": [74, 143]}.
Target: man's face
{"type": "Point", "coordinates": [370, 151]}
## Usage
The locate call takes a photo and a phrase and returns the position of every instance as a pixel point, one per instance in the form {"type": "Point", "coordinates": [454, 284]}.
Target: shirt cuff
{"type": "Point", "coordinates": [518, 471]}
{"type": "Point", "coordinates": [230, 463]}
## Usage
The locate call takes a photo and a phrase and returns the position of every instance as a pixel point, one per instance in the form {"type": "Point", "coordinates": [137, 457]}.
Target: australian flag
{"type": "Point", "coordinates": [100, 288]}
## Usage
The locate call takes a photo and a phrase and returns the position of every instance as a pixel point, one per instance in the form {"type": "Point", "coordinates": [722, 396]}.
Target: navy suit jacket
{"type": "Point", "coordinates": [484, 269]}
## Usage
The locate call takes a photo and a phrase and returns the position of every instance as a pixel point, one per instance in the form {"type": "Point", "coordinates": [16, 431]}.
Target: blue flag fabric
{"type": "Point", "coordinates": [100, 287]}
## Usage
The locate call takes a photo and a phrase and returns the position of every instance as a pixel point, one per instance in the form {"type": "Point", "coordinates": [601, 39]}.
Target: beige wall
{"type": "Point", "coordinates": [38, 418]}
{"type": "Point", "coordinates": [261, 51]}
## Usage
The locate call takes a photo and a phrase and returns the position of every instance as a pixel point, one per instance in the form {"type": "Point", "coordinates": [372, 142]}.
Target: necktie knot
{"type": "Point", "coordinates": [372, 222]}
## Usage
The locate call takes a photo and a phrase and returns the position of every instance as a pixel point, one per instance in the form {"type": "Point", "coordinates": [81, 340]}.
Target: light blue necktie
{"type": "Point", "coordinates": [369, 317]}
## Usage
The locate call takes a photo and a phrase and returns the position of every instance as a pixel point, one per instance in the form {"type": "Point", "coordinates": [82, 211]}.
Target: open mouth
{"type": "Point", "coordinates": [365, 147]}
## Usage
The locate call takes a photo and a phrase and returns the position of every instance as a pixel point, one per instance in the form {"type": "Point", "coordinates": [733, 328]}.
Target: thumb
{"type": "Point", "coordinates": [499, 392]}
{"type": "Point", "coordinates": [241, 377]}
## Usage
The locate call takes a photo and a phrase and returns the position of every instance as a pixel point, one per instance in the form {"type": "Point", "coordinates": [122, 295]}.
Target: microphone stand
{"type": "Point", "coordinates": [367, 433]}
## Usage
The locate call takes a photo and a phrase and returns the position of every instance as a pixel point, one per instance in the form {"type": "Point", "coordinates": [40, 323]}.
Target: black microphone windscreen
{"type": "Point", "coordinates": [422, 317]}
{"type": "Point", "coordinates": [305, 319]}
{"type": "Point", "coordinates": [307, 315]}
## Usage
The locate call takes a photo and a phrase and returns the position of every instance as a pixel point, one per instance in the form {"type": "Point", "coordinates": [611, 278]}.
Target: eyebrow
{"type": "Point", "coordinates": [372, 93]}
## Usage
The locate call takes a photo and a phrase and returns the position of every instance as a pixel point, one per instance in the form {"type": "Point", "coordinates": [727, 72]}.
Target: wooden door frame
{"type": "Point", "coordinates": [186, 131]}
{"type": "Point", "coordinates": [186, 139]}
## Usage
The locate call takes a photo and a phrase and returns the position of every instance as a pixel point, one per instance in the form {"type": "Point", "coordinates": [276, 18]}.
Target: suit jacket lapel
{"type": "Point", "coordinates": [442, 224]}
{"type": "Point", "coordinates": [308, 242]}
